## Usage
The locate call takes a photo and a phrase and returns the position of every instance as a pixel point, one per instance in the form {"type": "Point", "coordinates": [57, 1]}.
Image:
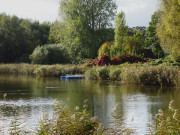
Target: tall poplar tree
{"type": "Point", "coordinates": [83, 20]}
{"type": "Point", "coordinates": [168, 29]}
{"type": "Point", "coordinates": [121, 30]}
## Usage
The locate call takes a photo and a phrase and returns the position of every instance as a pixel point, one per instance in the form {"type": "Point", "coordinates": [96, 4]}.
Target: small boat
{"type": "Point", "coordinates": [72, 77]}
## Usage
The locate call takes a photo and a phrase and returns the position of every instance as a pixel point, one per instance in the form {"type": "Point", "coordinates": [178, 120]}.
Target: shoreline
{"type": "Point", "coordinates": [127, 73]}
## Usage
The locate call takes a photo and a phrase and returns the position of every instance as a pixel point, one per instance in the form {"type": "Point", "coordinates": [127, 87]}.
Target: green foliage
{"type": "Point", "coordinates": [84, 25]}
{"type": "Point", "coordinates": [25, 69]}
{"type": "Point", "coordinates": [157, 50]}
{"type": "Point", "coordinates": [92, 73]}
{"type": "Point", "coordinates": [133, 44]}
{"type": "Point", "coordinates": [41, 70]}
{"type": "Point", "coordinates": [50, 54]}
{"type": "Point", "coordinates": [134, 74]}
{"type": "Point", "coordinates": [115, 74]}
{"type": "Point", "coordinates": [126, 40]}
{"type": "Point", "coordinates": [19, 37]}
{"type": "Point", "coordinates": [168, 29]}
{"type": "Point", "coordinates": [103, 73]}
{"type": "Point", "coordinates": [120, 32]}
{"type": "Point", "coordinates": [151, 37]}
{"type": "Point", "coordinates": [160, 76]}
{"type": "Point", "coordinates": [104, 49]}
{"type": "Point", "coordinates": [151, 30]}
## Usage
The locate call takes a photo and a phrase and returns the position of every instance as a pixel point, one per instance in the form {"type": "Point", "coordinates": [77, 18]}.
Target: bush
{"type": "Point", "coordinates": [116, 61]}
{"type": "Point", "coordinates": [92, 62]}
{"type": "Point", "coordinates": [92, 73]}
{"type": "Point", "coordinates": [104, 49]}
{"type": "Point", "coordinates": [115, 74]}
{"type": "Point", "coordinates": [103, 73]}
{"type": "Point", "coordinates": [157, 50]}
{"type": "Point", "coordinates": [50, 54]}
{"type": "Point", "coordinates": [132, 58]}
{"type": "Point", "coordinates": [105, 60]}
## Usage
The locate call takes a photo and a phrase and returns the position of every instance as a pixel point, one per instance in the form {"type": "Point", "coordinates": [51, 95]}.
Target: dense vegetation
{"type": "Point", "coordinates": [85, 26]}
{"type": "Point", "coordinates": [85, 31]}
{"type": "Point", "coordinates": [19, 37]}
{"type": "Point", "coordinates": [139, 74]}
{"type": "Point", "coordinates": [168, 29]}
{"type": "Point", "coordinates": [50, 54]}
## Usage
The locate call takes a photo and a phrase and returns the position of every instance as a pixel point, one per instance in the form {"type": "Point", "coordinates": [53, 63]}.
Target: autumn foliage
{"type": "Point", "coordinates": [106, 60]}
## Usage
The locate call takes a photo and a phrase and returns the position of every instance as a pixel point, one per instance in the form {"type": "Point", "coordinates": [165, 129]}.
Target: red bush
{"type": "Point", "coordinates": [105, 60]}
{"type": "Point", "coordinates": [93, 62]}
{"type": "Point", "coordinates": [116, 61]}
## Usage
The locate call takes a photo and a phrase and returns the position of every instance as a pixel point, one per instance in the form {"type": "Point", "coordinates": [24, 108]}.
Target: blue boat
{"type": "Point", "coordinates": [72, 77]}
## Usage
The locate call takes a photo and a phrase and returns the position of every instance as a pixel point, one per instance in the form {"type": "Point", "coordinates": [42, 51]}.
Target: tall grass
{"type": "Point", "coordinates": [141, 75]}
{"type": "Point", "coordinates": [41, 70]}
{"type": "Point", "coordinates": [127, 73]}
{"type": "Point", "coordinates": [167, 123]}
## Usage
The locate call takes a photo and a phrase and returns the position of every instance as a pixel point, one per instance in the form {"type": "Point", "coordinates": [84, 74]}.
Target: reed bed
{"type": "Point", "coordinates": [140, 75]}
{"type": "Point", "coordinates": [41, 70]}
{"type": "Point", "coordinates": [160, 75]}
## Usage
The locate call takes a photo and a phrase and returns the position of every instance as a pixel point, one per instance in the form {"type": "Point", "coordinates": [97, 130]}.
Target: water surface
{"type": "Point", "coordinates": [31, 97]}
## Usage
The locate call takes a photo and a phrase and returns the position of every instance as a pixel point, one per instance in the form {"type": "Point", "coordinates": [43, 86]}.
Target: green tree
{"type": "Point", "coordinates": [121, 31]}
{"type": "Point", "coordinates": [168, 28]}
{"type": "Point", "coordinates": [134, 44]}
{"type": "Point", "coordinates": [50, 54]}
{"type": "Point", "coordinates": [12, 41]}
{"type": "Point", "coordinates": [104, 49]}
{"type": "Point", "coordinates": [19, 37]}
{"type": "Point", "coordinates": [84, 22]}
{"type": "Point", "coordinates": [151, 36]}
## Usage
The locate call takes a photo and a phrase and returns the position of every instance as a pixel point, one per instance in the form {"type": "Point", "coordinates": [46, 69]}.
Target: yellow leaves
{"type": "Point", "coordinates": [168, 29]}
{"type": "Point", "coordinates": [104, 49]}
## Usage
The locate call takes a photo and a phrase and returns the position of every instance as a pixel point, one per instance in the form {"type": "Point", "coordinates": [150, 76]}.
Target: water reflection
{"type": "Point", "coordinates": [33, 96]}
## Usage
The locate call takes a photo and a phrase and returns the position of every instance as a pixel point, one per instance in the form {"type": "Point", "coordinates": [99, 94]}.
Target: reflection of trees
{"type": "Point", "coordinates": [38, 94]}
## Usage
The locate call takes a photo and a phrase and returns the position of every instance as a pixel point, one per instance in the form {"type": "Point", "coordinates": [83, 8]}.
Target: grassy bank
{"type": "Point", "coordinates": [140, 74]}
{"type": "Point", "coordinates": [41, 70]}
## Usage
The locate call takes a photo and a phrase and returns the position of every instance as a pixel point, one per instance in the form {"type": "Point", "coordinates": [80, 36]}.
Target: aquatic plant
{"type": "Point", "coordinates": [41, 70]}
{"type": "Point", "coordinates": [115, 74]}
{"type": "Point", "coordinates": [66, 122]}
{"type": "Point", "coordinates": [134, 74]}
{"type": "Point", "coordinates": [103, 73]}
{"type": "Point", "coordinates": [168, 123]}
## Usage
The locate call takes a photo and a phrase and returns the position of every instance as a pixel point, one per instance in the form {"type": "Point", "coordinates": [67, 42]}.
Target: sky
{"type": "Point", "coordinates": [138, 12]}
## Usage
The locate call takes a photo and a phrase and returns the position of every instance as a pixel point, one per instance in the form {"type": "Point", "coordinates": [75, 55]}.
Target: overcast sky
{"type": "Point", "coordinates": [138, 12]}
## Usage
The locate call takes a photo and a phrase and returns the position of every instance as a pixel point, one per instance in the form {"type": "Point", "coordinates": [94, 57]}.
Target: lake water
{"type": "Point", "coordinates": [34, 96]}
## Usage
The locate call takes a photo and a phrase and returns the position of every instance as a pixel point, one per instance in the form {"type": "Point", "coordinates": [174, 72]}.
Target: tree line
{"type": "Point", "coordinates": [84, 26]}
{"type": "Point", "coordinates": [19, 37]}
